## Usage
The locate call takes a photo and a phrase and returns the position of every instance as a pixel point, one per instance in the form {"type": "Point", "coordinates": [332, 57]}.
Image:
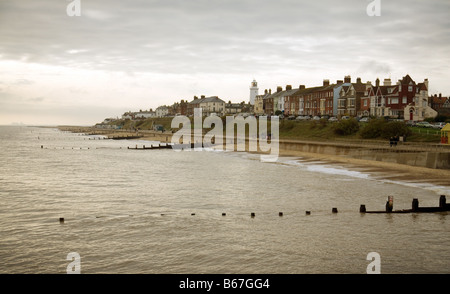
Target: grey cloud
{"type": "Point", "coordinates": [248, 37]}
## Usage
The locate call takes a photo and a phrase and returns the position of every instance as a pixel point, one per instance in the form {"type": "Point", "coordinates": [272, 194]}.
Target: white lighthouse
{"type": "Point", "coordinates": [253, 92]}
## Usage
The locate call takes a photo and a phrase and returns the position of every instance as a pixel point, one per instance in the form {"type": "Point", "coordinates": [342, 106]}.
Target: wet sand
{"type": "Point", "coordinates": [385, 170]}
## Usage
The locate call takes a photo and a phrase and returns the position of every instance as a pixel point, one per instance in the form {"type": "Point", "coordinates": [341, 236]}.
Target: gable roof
{"type": "Point", "coordinates": [207, 99]}
{"type": "Point", "coordinates": [407, 80]}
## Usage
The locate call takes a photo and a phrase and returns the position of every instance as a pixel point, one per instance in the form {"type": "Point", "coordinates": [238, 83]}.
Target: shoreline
{"type": "Point", "coordinates": [391, 169]}
{"type": "Point", "coordinates": [387, 170]}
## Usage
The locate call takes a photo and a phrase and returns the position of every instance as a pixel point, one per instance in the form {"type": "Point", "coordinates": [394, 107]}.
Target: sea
{"type": "Point", "coordinates": [128, 211]}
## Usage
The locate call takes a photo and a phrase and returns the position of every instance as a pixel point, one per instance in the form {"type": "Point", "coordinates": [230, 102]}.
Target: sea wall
{"type": "Point", "coordinates": [407, 156]}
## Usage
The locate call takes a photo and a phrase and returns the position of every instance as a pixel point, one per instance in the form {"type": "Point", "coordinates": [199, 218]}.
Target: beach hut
{"type": "Point", "coordinates": [445, 131]}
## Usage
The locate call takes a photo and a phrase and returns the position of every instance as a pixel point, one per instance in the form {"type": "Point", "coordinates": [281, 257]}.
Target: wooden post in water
{"type": "Point", "coordinates": [334, 210]}
{"type": "Point", "coordinates": [442, 201]}
{"type": "Point", "coordinates": [390, 204]}
{"type": "Point", "coordinates": [362, 208]}
{"type": "Point", "coordinates": [415, 204]}
{"type": "Point", "coordinates": [61, 220]}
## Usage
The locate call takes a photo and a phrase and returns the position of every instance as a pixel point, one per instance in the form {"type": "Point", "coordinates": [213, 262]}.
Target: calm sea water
{"type": "Point", "coordinates": [130, 211]}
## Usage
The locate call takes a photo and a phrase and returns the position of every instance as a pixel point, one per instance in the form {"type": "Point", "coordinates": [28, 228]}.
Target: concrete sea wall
{"type": "Point", "coordinates": [405, 155]}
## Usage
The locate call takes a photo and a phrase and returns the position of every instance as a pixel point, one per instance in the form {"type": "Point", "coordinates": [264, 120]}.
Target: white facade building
{"type": "Point", "coordinates": [144, 114]}
{"type": "Point", "coordinates": [162, 111]}
{"type": "Point", "coordinates": [253, 92]}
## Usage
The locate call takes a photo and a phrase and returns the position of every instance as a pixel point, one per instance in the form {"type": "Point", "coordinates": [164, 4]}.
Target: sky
{"type": "Point", "coordinates": [116, 56]}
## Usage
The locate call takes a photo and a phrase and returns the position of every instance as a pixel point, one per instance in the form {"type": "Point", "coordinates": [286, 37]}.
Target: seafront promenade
{"type": "Point", "coordinates": [425, 155]}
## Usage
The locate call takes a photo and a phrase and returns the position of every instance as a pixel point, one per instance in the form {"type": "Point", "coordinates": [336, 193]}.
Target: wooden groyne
{"type": "Point", "coordinates": [159, 146]}
{"type": "Point", "coordinates": [171, 146]}
{"type": "Point", "coordinates": [125, 137]}
{"type": "Point", "coordinates": [443, 206]}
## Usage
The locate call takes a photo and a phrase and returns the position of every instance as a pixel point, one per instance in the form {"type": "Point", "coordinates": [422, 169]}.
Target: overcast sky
{"type": "Point", "coordinates": [131, 55]}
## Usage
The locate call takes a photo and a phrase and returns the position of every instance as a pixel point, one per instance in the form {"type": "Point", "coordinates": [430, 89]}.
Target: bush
{"type": "Point", "coordinates": [381, 128]}
{"type": "Point", "coordinates": [395, 128]}
{"type": "Point", "coordinates": [373, 129]}
{"type": "Point", "coordinates": [346, 127]}
{"type": "Point", "coordinates": [287, 125]}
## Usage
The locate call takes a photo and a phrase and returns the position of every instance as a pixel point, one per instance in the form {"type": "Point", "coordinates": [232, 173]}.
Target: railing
{"type": "Point", "coordinates": [399, 147]}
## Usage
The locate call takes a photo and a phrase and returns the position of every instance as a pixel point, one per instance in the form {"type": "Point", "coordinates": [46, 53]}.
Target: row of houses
{"type": "Point", "coordinates": [405, 99]}
{"type": "Point", "coordinates": [210, 106]}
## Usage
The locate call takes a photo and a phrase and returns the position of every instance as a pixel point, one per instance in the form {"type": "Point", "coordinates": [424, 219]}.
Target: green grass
{"type": "Point", "coordinates": [425, 135]}
{"type": "Point", "coordinates": [292, 129]}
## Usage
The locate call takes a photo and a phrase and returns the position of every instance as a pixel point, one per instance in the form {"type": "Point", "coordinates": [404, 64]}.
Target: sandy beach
{"type": "Point", "coordinates": [386, 170]}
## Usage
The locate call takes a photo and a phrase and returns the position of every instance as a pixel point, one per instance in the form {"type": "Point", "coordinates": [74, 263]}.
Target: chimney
{"type": "Point", "coordinates": [326, 83]}
{"type": "Point", "coordinates": [301, 87]}
{"type": "Point", "coordinates": [387, 82]}
{"type": "Point", "coordinates": [279, 89]}
{"type": "Point", "coordinates": [377, 82]}
{"type": "Point", "coordinates": [265, 91]}
{"type": "Point", "coordinates": [358, 80]}
{"type": "Point", "coordinates": [195, 97]}
{"type": "Point", "coordinates": [347, 79]}
{"type": "Point", "coordinates": [270, 91]}
{"type": "Point", "coordinates": [288, 87]}
{"type": "Point", "coordinates": [203, 96]}
{"type": "Point", "coordinates": [426, 83]}
{"type": "Point", "coordinates": [339, 82]}
{"type": "Point", "coordinates": [440, 95]}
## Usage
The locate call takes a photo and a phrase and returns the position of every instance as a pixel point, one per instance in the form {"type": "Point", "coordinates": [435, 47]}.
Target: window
{"type": "Point", "coordinates": [410, 88]}
{"type": "Point", "coordinates": [365, 102]}
{"type": "Point", "coordinates": [394, 100]}
{"type": "Point", "coordinates": [404, 100]}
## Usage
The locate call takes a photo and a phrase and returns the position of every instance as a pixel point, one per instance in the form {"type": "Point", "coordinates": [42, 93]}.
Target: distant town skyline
{"type": "Point", "coordinates": [119, 56]}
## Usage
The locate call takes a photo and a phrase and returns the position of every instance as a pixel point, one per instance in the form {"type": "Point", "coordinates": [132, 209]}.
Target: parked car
{"type": "Point", "coordinates": [291, 117]}
{"type": "Point", "coordinates": [302, 117]}
{"type": "Point", "coordinates": [438, 125]}
{"type": "Point", "coordinates": [316, 117]}
{"type": "Point", "coordinates": [332, 119]}
{"type": "Point", "coordinates": [364, 119]}
{"type": "Point", "coordinates": [424, 124]}
{"type": "Point", "coordinates": [345, 117]}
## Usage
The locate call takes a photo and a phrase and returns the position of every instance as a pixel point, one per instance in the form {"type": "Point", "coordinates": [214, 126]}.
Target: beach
{"type": "Point", "coordinates": [390, 170]}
